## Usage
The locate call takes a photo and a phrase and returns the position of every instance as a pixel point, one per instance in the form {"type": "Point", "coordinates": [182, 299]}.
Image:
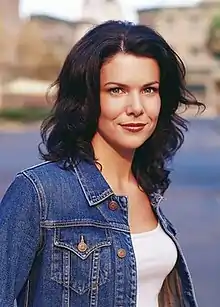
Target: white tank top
{"type": "Point", "coordinates": [156, 255]}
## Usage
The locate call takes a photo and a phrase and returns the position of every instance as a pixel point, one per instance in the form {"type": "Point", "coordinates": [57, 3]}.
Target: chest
{"type": "Point", "coordinates": [156, 255]}
{"type": "Point", "coordinates": [140, 212]}
{"type": "Point", "coordinates": [90, 244]}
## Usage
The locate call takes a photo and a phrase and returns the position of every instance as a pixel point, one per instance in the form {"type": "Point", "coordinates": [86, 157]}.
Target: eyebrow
{"type": "Point", "coordinates": [124, 85]}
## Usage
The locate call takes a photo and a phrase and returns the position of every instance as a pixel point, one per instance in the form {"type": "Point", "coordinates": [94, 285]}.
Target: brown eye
{"type": "Point", "coordinates": [116, 91]}
{"type": "Point", "coordinates": [150, 90]}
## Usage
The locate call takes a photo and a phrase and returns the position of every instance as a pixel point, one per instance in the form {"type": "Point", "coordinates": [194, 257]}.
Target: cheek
{"type": "Point", "coordinates": [153, 108]}
{"type": "Point", "coordinates": [110, 109]}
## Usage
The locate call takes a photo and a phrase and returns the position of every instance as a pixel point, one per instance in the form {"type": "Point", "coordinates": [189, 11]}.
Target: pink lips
{"type": "Point", "coordinates": [133, 127]}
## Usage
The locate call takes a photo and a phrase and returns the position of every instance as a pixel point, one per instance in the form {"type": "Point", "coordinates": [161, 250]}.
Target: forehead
{"type": "Point", "coordinates": [130, 69]}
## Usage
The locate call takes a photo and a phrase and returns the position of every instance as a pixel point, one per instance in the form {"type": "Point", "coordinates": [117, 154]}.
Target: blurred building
{"type": "Point", "coordinates": [58, 33]}
{"type": "Point", "coordinates": [41, 42]}
{"type": "Point", "coordinates": [101, 10]}
{"type": "Point", "coordinates": [65, 33]}
{"type": "Point", "coordinates": [35, 47]}
{"type": "Point", "coordinates": [9, 29]}
{"type": "Point", "coordinates": [187, 30]}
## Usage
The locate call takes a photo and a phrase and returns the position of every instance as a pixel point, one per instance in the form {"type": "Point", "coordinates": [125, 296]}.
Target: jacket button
{"type": "Point", "coordinates": [113, 205]}
{"type": "Point", "coordinates": [82, 246]}
{"type": "Point", "coordinates": [121, 253]}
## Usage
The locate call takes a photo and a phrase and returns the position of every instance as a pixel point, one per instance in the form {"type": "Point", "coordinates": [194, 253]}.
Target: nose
{"type": "Point", "coordinates": [135, 106]}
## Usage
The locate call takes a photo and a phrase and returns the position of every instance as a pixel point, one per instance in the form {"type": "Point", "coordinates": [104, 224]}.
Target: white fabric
{"type": "Point", "coordinates": [156, 255]}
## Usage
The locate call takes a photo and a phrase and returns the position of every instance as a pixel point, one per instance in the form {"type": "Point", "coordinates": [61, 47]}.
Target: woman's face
{"type": "Point", "coordinates": [129, 99]}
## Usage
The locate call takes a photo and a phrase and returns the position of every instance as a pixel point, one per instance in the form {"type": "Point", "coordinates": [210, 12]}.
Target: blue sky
{"type": "Point", "coordinates": [71, 9]}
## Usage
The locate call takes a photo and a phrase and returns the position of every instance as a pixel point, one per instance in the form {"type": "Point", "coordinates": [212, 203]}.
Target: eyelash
{"type": "Point", "coordinates": [155, 90]}
{"type": "Point", "coordinates": [113, 89]}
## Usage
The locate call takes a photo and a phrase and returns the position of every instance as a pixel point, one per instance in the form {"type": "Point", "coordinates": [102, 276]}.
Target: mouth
{"type": "Point", "coordinates": [133, 127]}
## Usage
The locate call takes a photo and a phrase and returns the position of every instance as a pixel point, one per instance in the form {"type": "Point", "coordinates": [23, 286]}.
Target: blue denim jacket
{"type": "Point", "coordinates": [65, 241]}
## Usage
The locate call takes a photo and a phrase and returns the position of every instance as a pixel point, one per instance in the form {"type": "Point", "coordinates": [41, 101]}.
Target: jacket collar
{"type": "Point", "coordinates": [96, 188]}
{"type": "Point", "coordinates": [94, 185]}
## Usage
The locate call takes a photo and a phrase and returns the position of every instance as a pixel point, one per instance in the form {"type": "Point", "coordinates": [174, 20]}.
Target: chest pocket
{"type": "Point", "coordinates": [81, 257]}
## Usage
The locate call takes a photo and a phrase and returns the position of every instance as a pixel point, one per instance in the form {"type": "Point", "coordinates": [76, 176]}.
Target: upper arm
{"type": "Point", "coordinates": [19, 236]}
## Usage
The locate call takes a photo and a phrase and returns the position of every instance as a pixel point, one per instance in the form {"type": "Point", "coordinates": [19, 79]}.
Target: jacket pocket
{"type": "Point", "coordinates": [81, 257]}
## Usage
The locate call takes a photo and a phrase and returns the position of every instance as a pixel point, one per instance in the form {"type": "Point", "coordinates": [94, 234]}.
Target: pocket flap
{"type": "Point", "coordinates": [91, 237]}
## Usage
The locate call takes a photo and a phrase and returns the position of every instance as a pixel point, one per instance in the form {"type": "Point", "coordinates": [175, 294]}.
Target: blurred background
{"type": "Point", "coordinates": [35, 37]}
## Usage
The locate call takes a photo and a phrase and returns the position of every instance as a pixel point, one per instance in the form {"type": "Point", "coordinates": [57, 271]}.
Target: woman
{"type": "Point", "coordinates": [85, 227]}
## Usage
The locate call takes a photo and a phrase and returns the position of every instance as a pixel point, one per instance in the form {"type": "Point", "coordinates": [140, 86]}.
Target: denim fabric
{"type": "Point", "coordinates": [60, 243]}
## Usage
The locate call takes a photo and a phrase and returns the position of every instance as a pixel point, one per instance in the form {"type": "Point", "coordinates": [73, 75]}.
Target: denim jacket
{"type": "Point", "coordinates": [65, 242]}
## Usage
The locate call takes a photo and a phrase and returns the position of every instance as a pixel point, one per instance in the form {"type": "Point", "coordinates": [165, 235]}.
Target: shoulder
{"type": "Point", "coordinates": [47, 173]}
{"type": "Point", "coordinates": [41, 168]}
{"type": "Point", "coordinates": [51, 179]}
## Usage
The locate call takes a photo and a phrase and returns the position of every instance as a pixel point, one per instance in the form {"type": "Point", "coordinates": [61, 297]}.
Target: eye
{"type": "Point", "coordinates": [116, 91]}
{"type": "Point", "coordinates": [150, 90]}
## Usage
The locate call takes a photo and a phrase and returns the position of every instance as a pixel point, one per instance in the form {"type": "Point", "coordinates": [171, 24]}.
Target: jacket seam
{"type": "Point", "coordinates": [39, 204]}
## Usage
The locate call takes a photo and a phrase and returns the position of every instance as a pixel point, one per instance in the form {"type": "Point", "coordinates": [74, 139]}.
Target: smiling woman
{"type": "Point", "coordinates": [85, 228]}
{"type": "Point", "coordinates": [131, 105]}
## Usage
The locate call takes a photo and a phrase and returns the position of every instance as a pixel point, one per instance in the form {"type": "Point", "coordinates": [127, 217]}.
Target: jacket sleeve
{"type": "Point", "coordinates": [19, 237]}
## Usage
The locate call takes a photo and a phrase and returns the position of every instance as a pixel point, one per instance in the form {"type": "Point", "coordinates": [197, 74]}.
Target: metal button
{"type": "Point", "coordinates": [121, 253]}
{"type": "Point", "coordinates": [113, 205]}
{"type": "Point", "coordinates": [82, 246]}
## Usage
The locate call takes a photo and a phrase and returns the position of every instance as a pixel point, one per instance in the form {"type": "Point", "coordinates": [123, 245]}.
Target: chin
{"type": "Point", "coordinates": [131, 145]}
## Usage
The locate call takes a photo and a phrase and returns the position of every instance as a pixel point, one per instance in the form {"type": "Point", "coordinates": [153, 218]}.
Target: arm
{"type": "Point", "coordinates": [19, 237]}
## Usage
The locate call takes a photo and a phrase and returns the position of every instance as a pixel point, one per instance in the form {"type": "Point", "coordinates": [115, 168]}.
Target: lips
{"type": "Point", "coordinates": [133, 127]}
{"type": "Point", "coordinates": [136, 125]}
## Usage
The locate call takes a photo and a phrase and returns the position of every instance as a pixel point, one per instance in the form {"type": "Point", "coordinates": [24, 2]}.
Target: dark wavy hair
{"type": "Point", "coordinates": [69, 129]}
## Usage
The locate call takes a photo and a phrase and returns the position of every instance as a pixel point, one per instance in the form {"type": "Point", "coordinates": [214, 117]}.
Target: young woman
{"type": "Point", "coordinates": [85, 228]}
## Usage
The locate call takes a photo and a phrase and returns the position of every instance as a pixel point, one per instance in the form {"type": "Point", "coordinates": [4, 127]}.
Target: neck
{"type": "Point", "coordinates": [115, 164]}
